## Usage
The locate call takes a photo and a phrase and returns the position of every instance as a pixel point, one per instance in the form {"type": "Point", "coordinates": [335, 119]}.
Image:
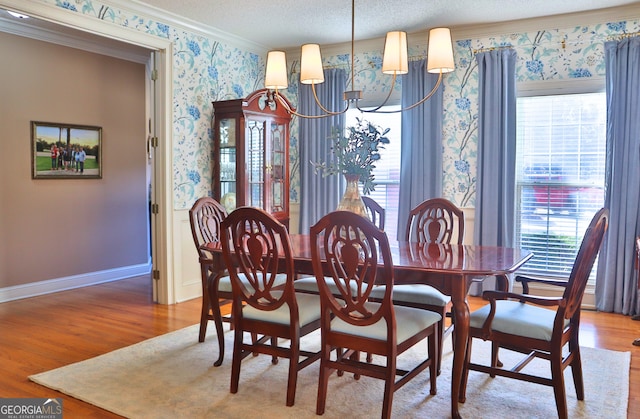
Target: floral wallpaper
{"type": "Point", "coordinates": [206, 70]}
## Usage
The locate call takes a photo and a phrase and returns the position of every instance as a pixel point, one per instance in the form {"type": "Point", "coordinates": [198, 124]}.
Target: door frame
{"type": "Point", "coordinates": [161, 231]}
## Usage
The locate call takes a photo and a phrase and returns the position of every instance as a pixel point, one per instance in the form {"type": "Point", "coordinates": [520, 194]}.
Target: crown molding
{"type": "Point", "coordinates": [177, 21]}
{"type": "Point", "coordinates": [569, 20]}
{"type": "Point", "coordinates": [417, 40]}
{"type": "Point", "coordinates": [365, 45]}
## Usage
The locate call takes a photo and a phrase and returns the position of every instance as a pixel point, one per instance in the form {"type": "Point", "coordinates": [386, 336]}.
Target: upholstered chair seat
{"type": "Point", "coordinates": [414, 293]}
{"type": "Point", "coordinates": [225, 281]}
{"type": "Point", "coordinates": [518, 319]}
{"type": "Point", "coordinates": [310, 285]}
{"type": "Point", "coordinates": [410, 321]}
{"type": "Point", "coordinates": [308, 311]}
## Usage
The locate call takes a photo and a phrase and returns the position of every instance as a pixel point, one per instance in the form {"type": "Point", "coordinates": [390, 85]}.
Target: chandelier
{"type": "Point", "coordinates": [394, 62]}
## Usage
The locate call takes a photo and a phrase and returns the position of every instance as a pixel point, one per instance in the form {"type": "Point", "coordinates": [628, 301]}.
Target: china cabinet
{"type": "Point", "coordinates": [251, 154]}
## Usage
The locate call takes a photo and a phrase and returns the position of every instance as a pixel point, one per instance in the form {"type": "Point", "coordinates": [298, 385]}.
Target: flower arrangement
{"type": "Point", "coordinates": [356, 153]}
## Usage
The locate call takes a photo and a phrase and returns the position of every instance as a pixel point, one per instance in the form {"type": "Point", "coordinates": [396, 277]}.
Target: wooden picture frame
{"type": "Point", "coordinates": [65, 151]}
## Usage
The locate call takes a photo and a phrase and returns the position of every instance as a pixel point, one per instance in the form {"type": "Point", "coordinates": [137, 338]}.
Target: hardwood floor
{"type": "Point", "coordinates": [46, 332]}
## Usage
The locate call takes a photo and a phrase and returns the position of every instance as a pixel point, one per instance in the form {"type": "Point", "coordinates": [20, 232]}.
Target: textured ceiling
{"type": "Point", "coordinates": [288, 23]}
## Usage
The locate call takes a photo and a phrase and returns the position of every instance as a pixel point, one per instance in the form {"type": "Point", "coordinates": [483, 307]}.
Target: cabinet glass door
{"type": "Point", "coordinates": [228, 180]}
{"type": "Point", "coordinates": [255, 152]}
{"type": "Point", "coordinates": [278, 164]}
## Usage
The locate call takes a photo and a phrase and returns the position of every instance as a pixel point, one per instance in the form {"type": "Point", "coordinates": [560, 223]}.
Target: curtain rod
{"type": "Point", "coordinates": [622, 36]}
{"type": "Point", "coordinates": [417, 57]}
{"type": "Point", "coordinates": [563, 43]}
{"type": "Point", "coordinates": [477, 51]}
{"type": "Point", "coordinates": [566, 42]}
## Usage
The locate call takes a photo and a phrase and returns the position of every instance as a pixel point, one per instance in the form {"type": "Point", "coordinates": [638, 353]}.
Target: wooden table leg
{"type": "Point", "coordinates": [502, 283]}
{"type": "Point", "coordinates": [214, 302]}
{"type": "Point", "coordinates": [461, 330]}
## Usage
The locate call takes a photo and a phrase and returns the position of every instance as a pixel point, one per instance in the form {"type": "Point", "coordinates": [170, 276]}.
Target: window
{"type": "Point", "coordinates": [387, 171]}
{"type": "Point", "coordinates": [560, 176]}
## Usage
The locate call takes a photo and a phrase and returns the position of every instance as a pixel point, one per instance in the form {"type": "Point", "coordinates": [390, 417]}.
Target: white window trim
{"type": "Point", "coordinates": [561, 87]}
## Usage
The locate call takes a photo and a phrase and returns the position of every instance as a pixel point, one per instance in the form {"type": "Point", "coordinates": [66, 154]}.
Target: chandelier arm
{"type": "Point", "coordinates": [328, 112]}
{"type": "Point", "coordinates": [428, 96]}
{"type": "Point", "coordinates": [424, 99]}
{"type": "Point", "coordinates": [293, 112]}
{"type": "Point", "coordinates": [376, 109]}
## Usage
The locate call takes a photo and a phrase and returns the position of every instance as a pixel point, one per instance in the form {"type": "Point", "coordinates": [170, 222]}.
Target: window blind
{"type": "Point", "coordinates": [387, 171]}
{"type": "Point", "coordinates": [561, 143]}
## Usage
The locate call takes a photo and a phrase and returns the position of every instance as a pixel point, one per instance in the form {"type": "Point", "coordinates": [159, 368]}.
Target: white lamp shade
{"type": "Point", "coordinates": [395, 60]}
{"type": "Point", "coordinates": [311, 71]}
{"type": "Point", "coordinates": [276, 74]}
{"type": "Point", "coordinates": [440, 51]}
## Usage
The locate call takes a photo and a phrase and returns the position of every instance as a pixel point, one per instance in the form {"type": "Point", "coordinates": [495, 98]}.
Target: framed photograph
{"type": "Point", "coordinates": [65, 151]}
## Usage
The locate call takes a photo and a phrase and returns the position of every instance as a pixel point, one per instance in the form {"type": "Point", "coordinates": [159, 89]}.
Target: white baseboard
{"type": "Point", "coordinates": [70, 282]}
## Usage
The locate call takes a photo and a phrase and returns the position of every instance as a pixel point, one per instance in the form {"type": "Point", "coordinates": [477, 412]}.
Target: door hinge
{"type": "Point", "coordinates": [154, 74]}
{"type": "Point", "coordinates": [156, 274]}
{"type": "Point", "coordinates": [154, 142]}
{"type": "Point", "coordinates": [155, 208]}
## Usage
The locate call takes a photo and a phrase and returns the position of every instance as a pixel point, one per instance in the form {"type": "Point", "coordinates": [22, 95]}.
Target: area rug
{"type": "Point", "coordinates": [173, 376]}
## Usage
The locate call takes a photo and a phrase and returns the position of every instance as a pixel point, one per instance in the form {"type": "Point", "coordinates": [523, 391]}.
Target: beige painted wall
{"type": "Point", "coordinates": [59, 228]}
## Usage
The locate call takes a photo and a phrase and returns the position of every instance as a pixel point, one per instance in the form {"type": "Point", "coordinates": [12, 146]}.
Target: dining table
{"type": "Point", "coordinates": [450, 268]}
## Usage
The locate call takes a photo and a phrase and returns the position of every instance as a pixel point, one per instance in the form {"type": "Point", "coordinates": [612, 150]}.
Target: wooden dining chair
{"type": "Point", "coordinates": [256, 247]}
{"type": "Point", "coordinates": [376, 214]}
{"type": "Point", "coordinates": [435, 220]}
{"type": "Point", "coordinates": [375, 211]}
{"type": "Point", "coordinates": [539, 327]}
{"type": "Point", "coordinates": [205, 217]}
{"type": "Point", "coordinates": [347, 249]}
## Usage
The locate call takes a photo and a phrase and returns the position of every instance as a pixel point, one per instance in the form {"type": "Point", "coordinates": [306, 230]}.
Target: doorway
{"type": "Point", "coordinates": [103, 38]}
